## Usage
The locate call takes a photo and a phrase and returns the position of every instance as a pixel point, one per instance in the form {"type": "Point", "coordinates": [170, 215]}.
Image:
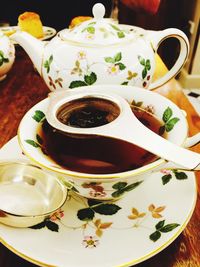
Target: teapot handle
{"type": "Point", "coordinates": [156, 39]}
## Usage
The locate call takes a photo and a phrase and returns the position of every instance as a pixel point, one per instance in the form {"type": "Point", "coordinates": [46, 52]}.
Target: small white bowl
{"type": "Point", "coordinates": [28, 194]}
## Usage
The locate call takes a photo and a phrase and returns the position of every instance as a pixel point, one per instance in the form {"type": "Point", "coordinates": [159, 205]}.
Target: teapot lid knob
{"type": "Point", "coordinates": [98, 11]}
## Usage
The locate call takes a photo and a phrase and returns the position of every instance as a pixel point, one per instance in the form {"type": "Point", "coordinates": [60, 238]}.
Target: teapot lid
{"type": "Point", "coordinates": [97, 31]}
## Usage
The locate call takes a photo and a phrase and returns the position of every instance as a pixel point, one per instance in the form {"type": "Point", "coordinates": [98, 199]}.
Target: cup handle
{"type": "Point", "coordinates": [156, 38]}
{"type": "Point", "coordinates": [192, 141]}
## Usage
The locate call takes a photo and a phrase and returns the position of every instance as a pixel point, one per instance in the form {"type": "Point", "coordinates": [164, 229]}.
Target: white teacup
{"type": "Point", "coordinates": [105, 186]}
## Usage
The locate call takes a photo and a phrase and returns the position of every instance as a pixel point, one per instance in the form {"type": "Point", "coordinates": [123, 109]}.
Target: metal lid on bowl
{"type": "Point", "coordinates": [97, 31]}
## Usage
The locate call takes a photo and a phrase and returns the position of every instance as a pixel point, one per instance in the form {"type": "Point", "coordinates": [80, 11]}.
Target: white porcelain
{"type": "Point", "coordinates": [133, 130]}
{"type": "Point", "coordinates": [49, 32]}
{"type": "Point", "coordinates": [101, 52]}
{"type": "Point", "coordinates": [103, 186]}
{"type": "Point", "coordinates": [125, 236]}
{"type": "Point", "coordinates": [7, 55]}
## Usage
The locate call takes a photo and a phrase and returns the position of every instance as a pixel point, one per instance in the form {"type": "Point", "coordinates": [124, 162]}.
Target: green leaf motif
{"type": "Point", "coordinates": [38, 116]}
{"type": "Point", "coordinates": [167, 114]}
{"type": "Point", "coordinates": [170, 124]}
{"type": "Point", "coordinates": [115, 27]}
{"type": "Point", "coordinates": [169, 227]}
{"type": "Point", "coordinates": [166, 178]}
{"type": "Point", "coordinates": [93, 202]}
{"type": "Point", "coordinates": [90, 79]}
{"type": "Point", "coordinates": [52, 226]}
{"type": "Point", "coordinates": [75, 84]}
{"type": "Point", "coordinates": [124, 83]}
{"type": "Point", "coordinates": [32, 143]}
{"type": "Point", "coordinates": [98, 207]}
{"type": "Point", "coordinates": [39, 225]}
{"type": "Point", "coordinates": [168, 120]}
{"type": "Point", "coordinates": [148, 64]}
{"type": "Point", "coordinates": [48, 62]}
{"type": "Point", "coordinates": [46, 223]}
{"type": "Point", "coordinates": [180, 175]}
{"type": "Point", "coordinates": [118, 193]}
{"type": "Point", "coordinates": [160, 225]}
{"type": "Point", "coordinates": [121, 66]}
{"type": "Point", "coordinates": [120, 34]}
{"type": "Point", "coordinates": [144, 73]}
{"type": "Point", "coordinates": [155, 236]}
{"type": "Point", "coordinates": [109, 60]}
{"type": "Point", "coordinates": [50, 59]}
{"type": "Point", "coordinates": [107, 209]}
{"type": "Point", "coordinates": [86, 214]}
{"type": "Point", "coordinates": [92, 23]}
{"type": "Point", "coordinates": [122, 188]}
{"type": "Point", "coordinates": [162, 228]}
{"type": "Point", "coordinates": [91, 30]}
{"type": "Point", "coordinates": [118, 57]}
{"type": "Point", "coordinates": [132, 186]}
{"type": "Point", "coordinates": [46, 66]}
{"type": "Point", "coordinates": [141, 60]}
{"type": "Point", "coordinates": [119, 185]}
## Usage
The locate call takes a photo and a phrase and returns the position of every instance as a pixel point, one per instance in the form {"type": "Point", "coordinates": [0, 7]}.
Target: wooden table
{"type": "Point", "coordinates": [23, 88]}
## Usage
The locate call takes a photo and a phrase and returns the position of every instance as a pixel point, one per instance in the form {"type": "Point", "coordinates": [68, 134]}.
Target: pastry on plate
{"type": "Point", "coordinates": [77, 20]}
{"type": "Point", "coordinates": [30, 22]}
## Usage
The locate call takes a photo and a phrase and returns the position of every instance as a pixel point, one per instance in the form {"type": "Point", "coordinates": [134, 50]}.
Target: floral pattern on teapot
{"type": "Point", "coordinates": [90, 31]}
{"type": "Point", "coordinates": [85, 75]}
{"type": "Point", "coordinates": [112, 54]}
{"type": "Point", "coordinates": [7, 55]}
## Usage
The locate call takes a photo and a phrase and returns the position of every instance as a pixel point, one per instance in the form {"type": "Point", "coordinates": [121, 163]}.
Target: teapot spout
{"type": "Point", "coordinates": [33, 47]}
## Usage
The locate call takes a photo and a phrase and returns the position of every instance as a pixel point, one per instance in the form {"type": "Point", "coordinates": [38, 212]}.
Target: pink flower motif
{"type": "Point", "coordinates": [90, 241]}
{"type": "Point", "coordinates": [113, 69]}
{"type": "Point", "coordinates": [165, 171]}
{"type": "Point", "coordinates": [57, 215]}
{"type": "Point", "coordinates": [94, 193]}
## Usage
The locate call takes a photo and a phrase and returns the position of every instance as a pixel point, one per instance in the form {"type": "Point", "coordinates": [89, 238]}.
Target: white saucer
{"type": "Point", "coordinates": [48, 31]}
{"type": "Point", "coordinates": [135, 228]}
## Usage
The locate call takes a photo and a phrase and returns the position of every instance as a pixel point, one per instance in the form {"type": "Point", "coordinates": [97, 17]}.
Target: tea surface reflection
{"type": "Point", "coordinates": [97, 154]}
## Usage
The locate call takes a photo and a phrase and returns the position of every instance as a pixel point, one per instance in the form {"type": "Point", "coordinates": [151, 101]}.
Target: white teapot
{"type": "Point", "coordinates": [99, 51]}
{"type": "Point", "coordinates": [7, 55]}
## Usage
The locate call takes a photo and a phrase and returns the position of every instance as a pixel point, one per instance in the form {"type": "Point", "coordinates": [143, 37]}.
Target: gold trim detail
{"type": "Point", "coordinates": [127, 264]}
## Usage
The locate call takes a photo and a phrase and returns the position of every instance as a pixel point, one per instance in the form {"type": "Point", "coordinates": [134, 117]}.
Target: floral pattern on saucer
{"type": "Point", "coordinates": [152, 209]}
{"type": "Point", "coordinates": [93, 225]}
